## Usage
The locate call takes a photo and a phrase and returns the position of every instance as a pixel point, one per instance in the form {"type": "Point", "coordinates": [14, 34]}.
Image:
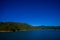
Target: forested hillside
{"type": "Point", "coordinates": [15, 26]}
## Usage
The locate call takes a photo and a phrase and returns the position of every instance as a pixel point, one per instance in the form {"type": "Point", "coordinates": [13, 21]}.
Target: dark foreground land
{"type": "Point", "coordinates": [14, 26]}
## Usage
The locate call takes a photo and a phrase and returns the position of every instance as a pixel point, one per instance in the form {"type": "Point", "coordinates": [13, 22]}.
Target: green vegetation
{"type": "Point", "coordinates": [14, 26]}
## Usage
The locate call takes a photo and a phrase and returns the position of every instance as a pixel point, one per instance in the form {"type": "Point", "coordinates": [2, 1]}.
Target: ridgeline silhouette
{"type": "Point", "coordinates": [15, 26]}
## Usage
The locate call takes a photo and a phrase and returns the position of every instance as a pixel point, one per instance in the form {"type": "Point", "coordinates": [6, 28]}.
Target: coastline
{"type": "Point", "coordinates": [11, 31]}
{"type": "Point", "coordinates": [23, 30]}
{"type": "Point", "coordinates": [5, 31]}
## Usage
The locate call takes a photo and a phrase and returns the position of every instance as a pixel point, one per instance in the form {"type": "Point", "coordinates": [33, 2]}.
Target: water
{"type": "Point", "coordinates": [31, 35]}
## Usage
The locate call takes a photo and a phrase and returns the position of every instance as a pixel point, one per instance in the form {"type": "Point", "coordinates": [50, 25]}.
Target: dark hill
{"type": "Point", "coordinates": [15, 26]}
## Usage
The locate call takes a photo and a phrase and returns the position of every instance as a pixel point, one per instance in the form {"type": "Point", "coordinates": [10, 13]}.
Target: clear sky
{"type": "Point", "coordinates": [34, 12]}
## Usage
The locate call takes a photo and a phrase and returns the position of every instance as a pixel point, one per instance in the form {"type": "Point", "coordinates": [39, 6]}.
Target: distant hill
{"type": "Point", "coordinates": [15, 26]}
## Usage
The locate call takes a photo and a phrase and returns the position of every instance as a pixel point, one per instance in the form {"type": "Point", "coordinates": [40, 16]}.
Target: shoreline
{"type": "Point", "coordinates": [5, 31]}
{"type": "Point", "coordinates": [23, 30]}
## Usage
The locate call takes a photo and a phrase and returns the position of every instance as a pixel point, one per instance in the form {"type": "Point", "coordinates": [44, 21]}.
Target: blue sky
{"type": "Point", "coordinates": [34, 12]}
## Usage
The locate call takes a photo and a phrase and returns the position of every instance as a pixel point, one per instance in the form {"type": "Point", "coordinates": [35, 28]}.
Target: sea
{"type": "Point", "coordinates": [31, 35]}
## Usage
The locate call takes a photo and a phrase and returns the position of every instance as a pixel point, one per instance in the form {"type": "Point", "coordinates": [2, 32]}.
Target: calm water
{"type": "Point", "coordinates": [31, 35]}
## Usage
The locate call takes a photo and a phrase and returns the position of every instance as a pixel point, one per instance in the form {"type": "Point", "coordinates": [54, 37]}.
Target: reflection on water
{"type": "Point", "coordinates": [31, 35]}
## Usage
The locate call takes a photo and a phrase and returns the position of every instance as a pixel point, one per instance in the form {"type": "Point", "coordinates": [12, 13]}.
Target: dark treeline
{"type": "Point", "coordinates": [15, 26]}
